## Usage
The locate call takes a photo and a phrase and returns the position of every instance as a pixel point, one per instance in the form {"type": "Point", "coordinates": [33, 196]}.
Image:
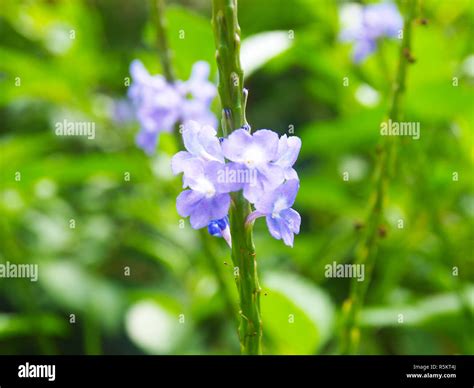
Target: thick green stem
{"type": "Point", "coordinates": [232, 95]}
{"type": "Point", "coordinates": [227, 37]}
{"type": "Point", "coordinates": [366, 252]}
{"type": "Point", "coordinates": [245, 261]}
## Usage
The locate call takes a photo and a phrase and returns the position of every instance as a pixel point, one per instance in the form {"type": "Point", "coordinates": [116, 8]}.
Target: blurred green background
{"type": "Point", "coordinates": [140, 281]}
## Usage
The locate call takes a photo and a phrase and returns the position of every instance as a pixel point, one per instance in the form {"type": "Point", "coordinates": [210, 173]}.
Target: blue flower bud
{"type": "Point", "coordinates": [214, 229]}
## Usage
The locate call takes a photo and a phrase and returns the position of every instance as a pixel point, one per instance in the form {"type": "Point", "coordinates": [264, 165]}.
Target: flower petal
{"type": "Point", "coordinates": [227, 177]}
{"type": "Point", "coordinates": [252, 192]}
{"type": "Point", "coordinates": [273, 225]}
{"type": "Point", "coordinates": [198, 84]}
{"type": "Point", "coordinates": [275, 201]}
{"type": "Point", "coordinates": [271, 176]}
{"type": "Point", "coordinates": [289, 190]}
{"type": "Point", "coordinates": [288, 150]}
{"type": "Point", "coordinates": [201, 215]}
{"type": "Point", "coordinates": [220, 206]}
{"type": "Point", "coordinates": [236, 144]}
{"type": "Point", "coordinates": [147, 141]}
{"type": "Point", "coordinates": [179, 161]}
{"type": "Point", "coordinates": [286, 234]}
{"type": "Point", "coordinates": [290, 173]}
{"type": "Point", "coordinates": [382, 19]}
{"type": "Point", "coordinates": [138, 72]}
{"type": "Point", "coordinates": [201, 141]}
{"type": "Point", "coordinates": [266, 201]}
{"type": "Point", "coordinates": [187, 201]}
{"type": "Point", "coordinates": [363, 48]}
{"type": "Point", "coordinates": [292, 219]}
{"type": "Point", "coordinates": [268, 141]}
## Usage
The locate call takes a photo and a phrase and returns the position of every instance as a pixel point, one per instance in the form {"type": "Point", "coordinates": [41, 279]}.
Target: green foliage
{"type": "Point", "coordinates": [132, 223]}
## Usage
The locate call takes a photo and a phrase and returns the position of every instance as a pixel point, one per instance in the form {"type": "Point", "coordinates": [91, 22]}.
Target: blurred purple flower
{"type": "Point", "coordinates": [364, 25]}
{"type": "Point", "coordinates": [160, 105]}
{"type": "Point", "coordinates": [283, 222]}
{"type": "Point", "coordinates": [147, 141]}
{"type": "Point", "coordinates": [122, 111]}
{"type": "Point", "coordinates": [198, 94]}
{"type": "Point", "coordinates": [383, 19]}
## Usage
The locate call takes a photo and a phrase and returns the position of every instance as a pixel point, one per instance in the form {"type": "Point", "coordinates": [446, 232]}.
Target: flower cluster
{"type": "Point", "coordinates": [160, 104]}
{"type": "Point", "coordinates": [259, 164]}
{"type": "Point", "coordinates": [364, 25]}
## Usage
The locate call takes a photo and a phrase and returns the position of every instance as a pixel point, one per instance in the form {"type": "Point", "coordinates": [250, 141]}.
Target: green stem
{"type": "Point", "coordinates": [164, 54]}
{"type": "Point", "coordinates": [366, 252]}
{"type": "Point", "coordinates": [227, 37]}
{"type": "Point", "coordinates": [24, 296]}
{"type": "Point", "coordinates": [92, 340]}
{"type": "Point", "coordinates": [231, 92]}
{"type": "Point", "coordinates": [163, 48]}
{"type": "Point", "coordinates": [384, 68]}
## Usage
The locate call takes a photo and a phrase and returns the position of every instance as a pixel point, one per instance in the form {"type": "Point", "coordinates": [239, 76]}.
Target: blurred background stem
{"type": "Point", "coordinates": [231, 92]}
{"type": "Point", "coordinates": [366, 251]}
{"type": "Point", "coordinates": [92, 337]}
{"type": "Point", "coordinates": [163, 48]}
{"type": "Point", "coordinates": [214, 264]}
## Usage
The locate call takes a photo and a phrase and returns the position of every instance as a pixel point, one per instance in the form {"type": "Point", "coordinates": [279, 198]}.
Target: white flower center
{"type": "Point", "coordinates": [253, 157]}
{"type": "Point", "coordinates": [205, 187]}
{"type": "Point", "coordinates": [279, 205]}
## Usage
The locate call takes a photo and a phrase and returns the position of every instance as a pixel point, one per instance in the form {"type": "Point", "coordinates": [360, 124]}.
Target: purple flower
{"type": "Point", "coordinates": [383, 19]}
{"type": "Point", "coordinates": [201, 142]}
{"type": "Point", "coordinates": [147, 141]}
{"type": "Point", "coordinates": [288, 150]}
{"type": "Point", "coordinates": [260, 164]}
{"type": "Point", "coordinates": [208, 199]}
{"type": "Point", "coordinates": [364, 25]}
{"type": "Point", "coordinates": [252, 156]}
{"type": "Point", "coordinates": [282, 221]}
{"type": "Point", "coordinates": [122, 111]}
{"type": "Point", "coordinates": [202, 145]}
{"type": "Point", "coordinates": [362, 49]}
{"type": "Point", "coordinates": [160, 105]}
{"type": "Point", "coordinates": [197, 86]}
{"type": "Point", "coordinates": [156, 105]}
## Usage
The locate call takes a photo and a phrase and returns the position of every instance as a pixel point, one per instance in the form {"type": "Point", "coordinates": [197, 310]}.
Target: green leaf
{"type": "Point", "coordinates": [419, 312]}
{"type": "Point", "coordinates": [155, 326]}
{"type": "Point", "coordinates": [77, 290]}
{"type": "Point", "coordinates": [359, 132]}
{"type": "Point", "coordinates": [258, 49]}
{"type": "Point", "coordinates": [298, 316]}
{"type": "Point", "coordinates": [12, 325]}
{"type": "Point", "coordinates": [191, 39]}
